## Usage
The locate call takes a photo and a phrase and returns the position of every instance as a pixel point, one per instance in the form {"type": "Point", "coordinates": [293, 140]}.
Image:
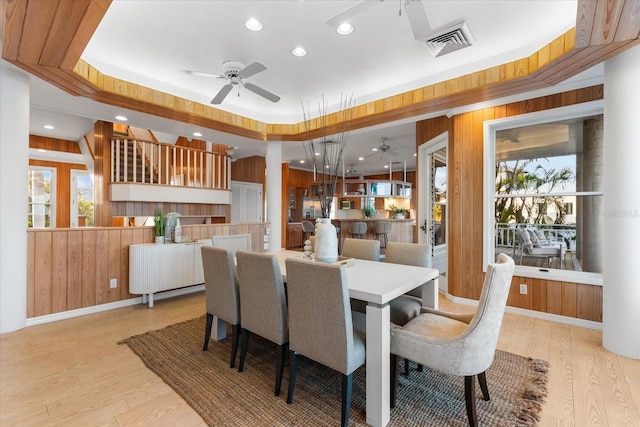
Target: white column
{"type": "Point", "coordinates": [621, 279]}
{"type": "Point", "coordinates": [274, 194]}
{"type": "Point", "coordinates": [14, 166]}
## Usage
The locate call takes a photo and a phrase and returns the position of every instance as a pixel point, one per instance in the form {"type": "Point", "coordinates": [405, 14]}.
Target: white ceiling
{"type": "Point", "coordinates": [149, 42]}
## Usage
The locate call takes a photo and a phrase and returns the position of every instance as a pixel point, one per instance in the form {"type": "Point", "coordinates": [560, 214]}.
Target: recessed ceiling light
{"type": "Point", "coordinates": [374, 149]}
{"type": "Point", "coordinates": [301, 161]}
{"type": "Point", "coordinates": [317, 154]}
{"type": "Point", "coordinates": [386, 166]}
{"type": "Point", "coordinates": [360, 158]}
{"type": "Point", "coordinates": [197, 134]}
{"type": "Point", "coordinates": [42, 150]}
{"type": "Point", "coordinates": [121, 118]}
{"type": "Point", "coordinates": [299, 51]}
{"type": "Point", "coordinates": [344, 29]}
{"type": "Point", "coordinates": [49, 127]}
{"type": "Point", "coordinates": [253, 24]}
{"type": "Point", "coordinates": [415, 154]}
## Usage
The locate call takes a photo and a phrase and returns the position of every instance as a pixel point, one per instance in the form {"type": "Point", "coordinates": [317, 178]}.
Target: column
{"type": "Point", "coordinates": [14, 166]}
{"type": "Point", "coordinates": [274, 194]}
{"type": "Point", "coordinates": [621, 279]}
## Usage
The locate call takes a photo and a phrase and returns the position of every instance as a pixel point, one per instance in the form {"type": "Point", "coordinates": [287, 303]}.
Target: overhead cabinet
{"type": "Point", "coordinates": [367, 188]}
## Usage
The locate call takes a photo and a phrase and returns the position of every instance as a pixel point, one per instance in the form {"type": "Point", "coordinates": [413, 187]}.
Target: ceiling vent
{"type": "Point", "coordinates": [449, 39]}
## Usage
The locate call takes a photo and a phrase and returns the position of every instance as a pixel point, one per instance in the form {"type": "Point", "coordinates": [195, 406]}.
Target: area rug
{"type": "Point", "coordinates": [224, 397]}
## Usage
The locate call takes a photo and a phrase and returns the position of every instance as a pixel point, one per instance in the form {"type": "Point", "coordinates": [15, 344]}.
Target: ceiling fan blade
{"type": "Point", "coordinates": [350, 12]}
{"type": "Point", "coordinates": [262, 92]}
{"type": "Point", "coordinates": [418, 20]}
{"type": "Point", "coordinates": [392, 153]}
{"type": "Point", "coordinates": [251, 69]}
{"type": "Point", "coordinates": [202, 73]}
{"type": "Point", "coordinates": [222, 94]}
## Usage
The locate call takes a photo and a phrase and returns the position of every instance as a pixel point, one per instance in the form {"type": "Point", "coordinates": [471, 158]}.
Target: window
{"type": "Point", "coordinates": [81, 199]}
{"type": "Point", "coordinates": [545, 203]}
{"type": "Point", "coordinates": [42, 197]}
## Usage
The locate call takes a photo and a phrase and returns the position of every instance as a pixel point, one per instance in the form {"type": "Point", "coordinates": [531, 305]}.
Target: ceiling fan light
{"type": "Point", "coordinates": [299, 51]}
{"type": "Point", "coordinates": [345, 29]}
{"type": "Point", "coordinates": [253, 24]}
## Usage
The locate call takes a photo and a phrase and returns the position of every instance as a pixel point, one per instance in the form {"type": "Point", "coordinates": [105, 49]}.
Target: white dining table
{"type": "Point", "coordinates": [377, 283]}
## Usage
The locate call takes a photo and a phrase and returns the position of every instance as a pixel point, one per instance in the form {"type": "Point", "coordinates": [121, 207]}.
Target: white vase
{"type": "Point", "coordinates": [399, 216]}
{"type": "Point", "coordinates": [159, 239]}
{"type": "Point", "coordinates": [326, 245]}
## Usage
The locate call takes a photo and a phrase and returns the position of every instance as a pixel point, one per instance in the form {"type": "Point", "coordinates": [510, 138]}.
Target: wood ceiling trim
{"type": "Point", "coordinates": [47, 39]}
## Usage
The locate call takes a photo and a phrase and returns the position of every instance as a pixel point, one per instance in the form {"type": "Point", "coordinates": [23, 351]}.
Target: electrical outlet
{"type": "Point", "coordinates": [523, 288]}
{"type": "Point", "coordinates": [113, 283]}
{"type": "Point", "coordinates": [265, 238]}
{"type": "Point", "coordinates": [266, 246]}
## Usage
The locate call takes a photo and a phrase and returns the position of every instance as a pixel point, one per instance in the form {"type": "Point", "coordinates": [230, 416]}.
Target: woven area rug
{"type": "Point", "coordinates": [224, 397]}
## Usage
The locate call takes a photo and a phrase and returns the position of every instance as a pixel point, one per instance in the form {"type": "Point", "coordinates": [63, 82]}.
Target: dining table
{"type": "Point", "coordinates": [377, 283]}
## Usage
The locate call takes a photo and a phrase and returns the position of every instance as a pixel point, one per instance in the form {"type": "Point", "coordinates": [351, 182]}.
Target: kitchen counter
{"type": "Point", "coordinates": [401, 229]}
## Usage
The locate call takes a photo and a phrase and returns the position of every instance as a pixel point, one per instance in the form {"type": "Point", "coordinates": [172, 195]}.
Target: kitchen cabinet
{"type": "Point", "coordinates": [294, 235]}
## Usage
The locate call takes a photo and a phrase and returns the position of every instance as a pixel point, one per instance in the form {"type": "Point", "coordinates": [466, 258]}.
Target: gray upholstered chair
{"type": "Point", "coordinates": [321, 324]}
{"type": "Point", "coordinates": [233, 242]}
{"type": "Point", "coordinates": [357, 229]}
{"type": "Point", "coordinates": [382, 230]}
{"type": "Point", "coordinates": [405, 307]}
{"type": "Point", "coordinates": [308, 228]}
{"type": "Point", "coordinates": [459, 344]}
{"type": "Point", "coordinates": [541, 249]}
{"type": "Point", "coordinates": [361, 249]}
{"type": "Point", "coordinates": [221, 293]}
{"type": "Point", "coordinates": [263, 305]}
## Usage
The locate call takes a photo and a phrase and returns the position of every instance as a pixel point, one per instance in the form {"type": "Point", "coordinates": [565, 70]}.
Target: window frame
{"type": "Point", "coordinates": [490, 127]}
{"type": "Point", "coordinates": [52, 192]}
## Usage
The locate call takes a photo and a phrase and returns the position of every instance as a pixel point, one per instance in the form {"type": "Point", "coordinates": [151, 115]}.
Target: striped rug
{"type": "Point", "coordinates": [224, 397]}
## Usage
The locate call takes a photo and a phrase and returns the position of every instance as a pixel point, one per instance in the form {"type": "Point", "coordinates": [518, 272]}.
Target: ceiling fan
{"type": "Point", "coordinates": [384, 148]}
{"type": "Point", "coordinates": [414, 9]}
{"type": "Point", "coordinates": [235, 72]}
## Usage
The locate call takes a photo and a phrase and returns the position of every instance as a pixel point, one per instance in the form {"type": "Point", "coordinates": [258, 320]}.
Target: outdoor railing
{"type": "Point", "coordinates": [147, 162]}
{"type": "Point", "coordinates": [505, 234]}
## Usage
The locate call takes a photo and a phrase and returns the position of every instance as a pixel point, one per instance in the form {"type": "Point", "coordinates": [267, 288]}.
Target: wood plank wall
{"type": "Point", "coordinates": [465, 203]}
{"type": "Point", "coordinates": [69, 269]}
{"type": "Point", "coordinates": [147, 208]}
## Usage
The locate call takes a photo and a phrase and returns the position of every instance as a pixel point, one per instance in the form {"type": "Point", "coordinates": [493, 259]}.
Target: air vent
{"type": "Point", "coordinates": [449, 39]}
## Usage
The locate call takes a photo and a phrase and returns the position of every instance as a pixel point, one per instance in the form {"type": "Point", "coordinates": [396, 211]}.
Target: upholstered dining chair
{"type": "Point", "coordinates": [263, 305]}
{"type": "Point", "coordinates": [405, 307]}
{"type": "Point", "coordinates": [358, 229]}
{"type": "Point", "coordinates": [221, 293]}
{"type": "Point", "coordinates": [361, 249]}
{"type": "Point", "coordinates": [382, 230]}
{"type": "Point", "coordinates": [321, 324]}
{"type": "Point", "coordinates": [458, 344]}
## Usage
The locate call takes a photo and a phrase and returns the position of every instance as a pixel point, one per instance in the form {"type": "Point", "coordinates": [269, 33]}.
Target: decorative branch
{"type": "Point", "coordinates": [325, 153]}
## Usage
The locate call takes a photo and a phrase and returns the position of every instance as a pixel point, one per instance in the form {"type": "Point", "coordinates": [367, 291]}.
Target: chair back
{"type": "Point", "coordinates": [221, 284]}
{"type": "Point", "coordinates": [320, 323]}
{"type": "Point", "coordinates": [233, 242]}
{"type": "Point", "coordinates": [308, 226]}
{"type": "Point", "coordinates": [383, 227]}
{"type": "Point", "coordinates": [408, 254]}
{"type": "Point", "coordinates": [358, 228]}
{"type": "Point", "coordinates": [263, 302]}
{"type": "Point", "coordinates": [361, 249]}
{"type": "Point", "coordinates": [481, 336]}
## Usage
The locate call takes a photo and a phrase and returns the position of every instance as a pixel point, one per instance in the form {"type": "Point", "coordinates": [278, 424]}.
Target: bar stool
{"type": "Point", "coordinates": [358, 230]}
{"type": "Point", "coordinates": [383, 229]}
{"type": "Point", "coordinates": [308, 228]}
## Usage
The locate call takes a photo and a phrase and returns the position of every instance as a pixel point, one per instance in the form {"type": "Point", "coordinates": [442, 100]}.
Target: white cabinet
{"type": "Point", "coordinates": [154, 268]}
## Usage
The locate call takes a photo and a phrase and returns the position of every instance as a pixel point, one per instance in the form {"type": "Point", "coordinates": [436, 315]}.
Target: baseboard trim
{"type": "Point", "coordinates": [48, 318]}
{"type": "Point", "coordinates": [590, 324]}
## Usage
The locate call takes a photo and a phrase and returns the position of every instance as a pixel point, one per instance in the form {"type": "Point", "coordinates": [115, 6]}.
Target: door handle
{"type": "Point", "coordinates": [423, 227]}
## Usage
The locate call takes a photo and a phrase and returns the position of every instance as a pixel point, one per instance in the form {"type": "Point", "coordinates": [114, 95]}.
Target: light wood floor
{"type": "Point", "coordinates": [73, 372]}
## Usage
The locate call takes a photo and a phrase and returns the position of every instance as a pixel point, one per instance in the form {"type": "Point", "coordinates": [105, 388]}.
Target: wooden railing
{"type": "Point", "coordinates": [147, 162]}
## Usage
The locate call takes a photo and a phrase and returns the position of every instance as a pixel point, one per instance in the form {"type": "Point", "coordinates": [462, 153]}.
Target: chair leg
{"type": "Point", "coordinates": [395, 364]}
{"type": "Point", "coordinates": [470, 399]}
{"type": "Point", "coordinates": [282, 348]}
{"type": "Point", "coordinates": [420, 368]}
{"type": "Point", "coordinates": [243, 349]}
{"type": "Point", "coordinates": [347, 387]}
{"type": "Point", "coordinates": [293, 373]}
{"type": "Point", "coordinates": [207, 332]}
{"type": "Point", "coordinates": [406, 367]}
{"type": "Point", "coordinates": [482, 379]}
{"type": "Point", "coordinates": [235, 337]}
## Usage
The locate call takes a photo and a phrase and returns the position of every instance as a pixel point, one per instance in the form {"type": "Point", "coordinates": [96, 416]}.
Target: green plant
{"type": "Point", "coordinates": [368, 211]}
{"type": "Point", "coordinates": [158, 219]}
{"type": "Point", "coordinates": [397, 210]}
